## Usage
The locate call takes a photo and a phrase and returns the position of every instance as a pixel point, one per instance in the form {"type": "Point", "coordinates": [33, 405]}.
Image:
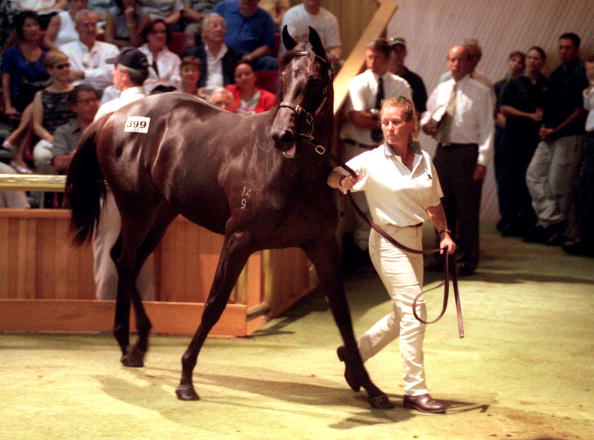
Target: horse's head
{"type": "Point", "coordinates": [305, 91]}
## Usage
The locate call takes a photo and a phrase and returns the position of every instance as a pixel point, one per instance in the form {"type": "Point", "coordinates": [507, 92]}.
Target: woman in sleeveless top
{"type": "Point", "coordinates": [61, 28]}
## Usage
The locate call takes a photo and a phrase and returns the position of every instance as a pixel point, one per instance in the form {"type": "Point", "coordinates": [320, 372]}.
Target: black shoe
{"type": "Point", "coordinates": [578, 247]}
{"type": "Point", "coordinates": [424, 403]}
{"type": "Point", "coordinates": [554, 233]}
{"type": "Point", "coordinates": [536, 235]}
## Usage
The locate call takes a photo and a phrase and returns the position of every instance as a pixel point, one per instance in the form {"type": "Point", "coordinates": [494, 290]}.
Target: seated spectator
{"type": "Point", "coordinates": [167, 10]}
{"type": "Point", "coordinates": [299, 18]}
{"type": "Point", "coordinates": [217, 61]}
{"type": "Point", "coordinates": [23, 69]}
{"type": "Point", "coordinates": [101, 8]}
{"type": "Point", "coordinates": [189, 72]}
{"type": "Point", "coordinates": [164, 64]}
{"type": "Point", "coordinates": [250, 30]}
{"type": "Point", "coordinates": [87, 55]}
{"type": "Point", "coordinates": [276, 9]}
{"type": "Point", "coordinates": [222, 98]}
{"type": "Point", "coordinates": [45, 9]}
{"type": "Point", "coordinates": [249, 99]}
{"type": "Point", "coordinates": [12, 199]}
{"type": "Point", "coordinates": [194, 12]}
{"type": "Point", "coordinates": [51, 109]}
{"type": "Point", "coordinates": [84, 102]}
{"type": "Point", "coordinates": [61, 29]}
{"type": "Point", "coordinates": [122, 24]}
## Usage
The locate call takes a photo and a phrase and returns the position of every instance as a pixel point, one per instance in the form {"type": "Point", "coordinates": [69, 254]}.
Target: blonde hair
{"type": "Point", "coordinates": [53, 57]}
{"type": "Point", "coordinates": [410, 112]}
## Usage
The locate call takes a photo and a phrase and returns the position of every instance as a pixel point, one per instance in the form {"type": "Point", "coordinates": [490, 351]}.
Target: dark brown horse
{"type": "Point", "coordinates": [259, 180]}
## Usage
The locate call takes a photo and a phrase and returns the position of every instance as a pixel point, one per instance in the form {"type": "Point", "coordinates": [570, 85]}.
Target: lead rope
{"type": "Point", "coordinates": [446, 262]}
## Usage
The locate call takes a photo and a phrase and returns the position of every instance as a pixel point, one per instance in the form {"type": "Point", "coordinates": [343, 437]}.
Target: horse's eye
{"type": "Point", "coordinates": [315, 81]}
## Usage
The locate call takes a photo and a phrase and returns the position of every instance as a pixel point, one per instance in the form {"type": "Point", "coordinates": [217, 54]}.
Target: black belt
{"type": "Point", "coordinates": [359, 144]}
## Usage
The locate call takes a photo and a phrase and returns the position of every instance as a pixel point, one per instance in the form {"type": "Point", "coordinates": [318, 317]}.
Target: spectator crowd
{"type": "Point", "coordinates": [58, 71]}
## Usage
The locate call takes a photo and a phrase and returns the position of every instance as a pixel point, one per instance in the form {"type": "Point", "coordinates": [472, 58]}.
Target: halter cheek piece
{"type": "Point", "coordinates": [301, 111]}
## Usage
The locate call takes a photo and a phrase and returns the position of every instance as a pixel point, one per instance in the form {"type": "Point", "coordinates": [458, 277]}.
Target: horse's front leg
{"type": "Point", "coordinates": [324, 255]}
{"type": "Point", "coordinates": [236, 250]}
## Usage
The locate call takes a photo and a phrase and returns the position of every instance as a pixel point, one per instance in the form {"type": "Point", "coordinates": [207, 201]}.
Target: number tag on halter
{"type": "Point", "coordinates": [137, 124]}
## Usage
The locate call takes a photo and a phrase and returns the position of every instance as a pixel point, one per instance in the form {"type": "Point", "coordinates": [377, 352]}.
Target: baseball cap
{"type": "Point", "coordinates": [131, 58]}
{"type": "Point", "coordinates": [397, 40]}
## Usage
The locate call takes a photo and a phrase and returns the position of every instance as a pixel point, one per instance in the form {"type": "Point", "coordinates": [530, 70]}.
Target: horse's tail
{"type": "Point", "coordinates": [85, 187]}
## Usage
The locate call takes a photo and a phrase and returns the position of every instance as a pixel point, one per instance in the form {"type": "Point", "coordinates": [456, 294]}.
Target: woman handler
{"type": "Point", "coordinates": [402, 189]}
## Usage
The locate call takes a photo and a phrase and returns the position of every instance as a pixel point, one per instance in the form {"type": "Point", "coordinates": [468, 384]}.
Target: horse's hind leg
{"type": "Point", "coordinates": [139, 237]}
{"type": "Point", "coordinates": [325, 256]}
{"type": "Point", "coordinates": [236, 250]}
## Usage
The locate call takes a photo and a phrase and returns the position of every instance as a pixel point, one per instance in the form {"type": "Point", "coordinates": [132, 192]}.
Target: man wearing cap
{"type": "Point", "coordinates": [397, 67]}
{"type": "Point", "coordinates": [87, 55]}
{"type": "Point", "coordinates": [362, 131]}
{"type": "Point", "coordinates": [130, 71]}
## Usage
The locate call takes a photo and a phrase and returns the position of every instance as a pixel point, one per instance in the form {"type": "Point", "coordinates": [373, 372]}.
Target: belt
{"type": "Point", "coordinates": [454, 146]}
{"type": "Point", "coordinates": [359, 144]}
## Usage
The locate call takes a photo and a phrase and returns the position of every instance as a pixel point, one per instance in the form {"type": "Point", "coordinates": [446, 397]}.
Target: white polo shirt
{"type": "Point", "coordinates": [395, 194]}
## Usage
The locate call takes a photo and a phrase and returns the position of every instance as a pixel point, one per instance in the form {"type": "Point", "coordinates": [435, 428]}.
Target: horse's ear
{"type": "Point", "coordinates": [288, 41]}
{"type": "Point", "coordinates": [316, 43]}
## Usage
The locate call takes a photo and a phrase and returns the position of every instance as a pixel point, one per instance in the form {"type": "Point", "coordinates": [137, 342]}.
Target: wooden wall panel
{"type": "Point", "coordinates": [430, 27]}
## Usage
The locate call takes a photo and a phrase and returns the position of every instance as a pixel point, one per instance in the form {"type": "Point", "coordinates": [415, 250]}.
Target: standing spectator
{"type": "Point", "coordinates": [249, 99]}
{"type": "Point", "coordinates": [217, 60]}
{"type": "Point", "coordinates": [61, 29]}
{"type": "Point", "coordinates": [362, 130]}
{"type": "Point", "coordinates": [553, 169]}
{"type": "Point", "coordinates": [516, 63]}
{"type": "Point", "coordinates": [460, 115]}
{"type": "Point", "coordinates": [520, 101]}
{"type": "Point", "coordinates": [397, 67]}
{"type": "Point", "coordinates": [84, 102]}
{"type": "Point", "coordinates": [23, 68]}
{"type": "Point", "coordinates": [167, 10]}
{"type": "Point", "coordinates": [51, 109]}
{"type": "Point", "coordinates": [396, 179]}
{"type": "Point", "coordinates": [475, 53]}
{"type": "Point", "coordinates": [129, 73]}
{"type": "Point", "coordinates": [222, 98]}
{"type": "Point", "coordinates": [88, 57]}
{"type": "Point", "coordinates": [584, 243]}
{"type": "Point", "coordinates": [164, 64]}
{"type": "Point", "coordinates": [123, 22]}
{"type": "Point", "coordinates": [189, 71]}
{"type": "Point", "coordinates": [250, 30]}
{"type": "Point", "coordinates": [299, 18]}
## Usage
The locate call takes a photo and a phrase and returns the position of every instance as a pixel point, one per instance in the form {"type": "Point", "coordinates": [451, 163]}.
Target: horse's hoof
{"type": "Point", "coordinates": [348, 376]}
{"type": "Point", "coordinates": [133, 358]}
{"type": "Point", "coordinates": [380, 402]}
{"type": "Point", "coordinates": [186, 392]}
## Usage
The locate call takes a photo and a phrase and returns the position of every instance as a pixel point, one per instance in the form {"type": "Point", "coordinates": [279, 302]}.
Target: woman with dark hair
{"type": "Point", "coordinates": [249, 99]}
{"type": "Point", "coordinates": [123, 23]}
{"type": "Point", "coordinates": [23, 69]}
{"type": "Point", "coordinates": [163, 64]}
{"type": "Point", "coordinates": [521, 102]}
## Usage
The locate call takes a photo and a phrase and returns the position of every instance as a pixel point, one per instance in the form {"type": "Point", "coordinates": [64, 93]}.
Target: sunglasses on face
{"type": "Point", "coordinates": [62, 66]}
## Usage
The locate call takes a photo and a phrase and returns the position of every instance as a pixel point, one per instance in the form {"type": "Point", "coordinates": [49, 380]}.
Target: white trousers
{"type": "Point", "coordinates": [402, 275]}
{"type": "Point", "coordinates": [104, 270]}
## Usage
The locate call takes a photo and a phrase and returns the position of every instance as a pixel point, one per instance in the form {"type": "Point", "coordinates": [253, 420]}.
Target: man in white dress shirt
{"type": "Point", "coordinates": [299, 18]}
{"type": "Point", "coordinates": [460, 116]}
{"type": "Point", "coordinates": [88, 57]}
{"type": "Point", "coordinates": [130, 71]}
{"type": "Point", "coordinates": [362, 130]}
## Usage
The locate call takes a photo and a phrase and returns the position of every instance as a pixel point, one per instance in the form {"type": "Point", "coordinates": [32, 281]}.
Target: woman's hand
{"type": "Point", "coordinates": [347, 182]}
{"type": "Point", "coordinates": [446, 242]}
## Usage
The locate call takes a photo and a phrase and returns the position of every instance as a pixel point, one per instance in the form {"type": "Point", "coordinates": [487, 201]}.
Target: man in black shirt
{"type": "Point", "coordinates": [553, 169]}
{"type": "Point", "coordinates": [397, 67]}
